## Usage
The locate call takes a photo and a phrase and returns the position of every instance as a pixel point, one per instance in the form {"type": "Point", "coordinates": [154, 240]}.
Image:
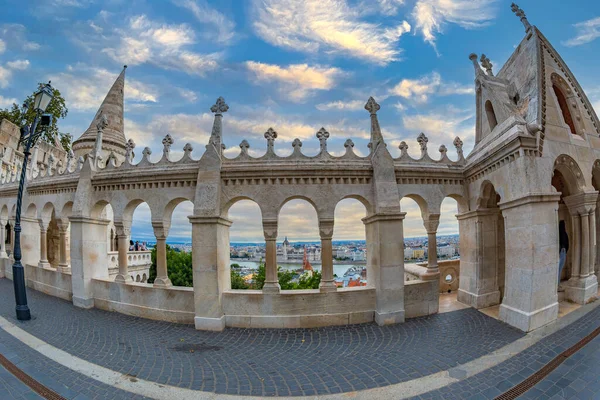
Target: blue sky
{"type": "Point", "coordinates": [291, 65]}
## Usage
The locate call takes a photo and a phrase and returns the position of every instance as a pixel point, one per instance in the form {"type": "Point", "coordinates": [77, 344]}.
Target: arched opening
{"type": "Point", "coordinates": [298, 260]}
{"type": "Point", "coordinates": [596, 184]}
{"type": "Point", "coordinates": [349, 244]}
{"type": "Point", "coordinates": [177, 243]}
{"type": "Point", "coordinates": [564, 108]}
{"type": "Point", "coordinates": [491, 115]}
{"type": "Point", "coordinates": [247, 244]}
{"type": "Point", "coordinates": [140, 242]}
{"type": "Point", "coordinates": [565, 228]}
{"type": "Point", "coordinates": [415, 235]}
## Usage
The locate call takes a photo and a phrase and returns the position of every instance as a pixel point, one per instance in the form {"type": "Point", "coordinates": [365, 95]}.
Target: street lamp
{"type": "Point", "coordinates": [28, 138]}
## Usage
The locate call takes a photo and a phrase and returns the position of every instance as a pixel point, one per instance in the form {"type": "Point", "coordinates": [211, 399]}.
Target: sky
{"type": "Point", "coordinates": [295, 66]}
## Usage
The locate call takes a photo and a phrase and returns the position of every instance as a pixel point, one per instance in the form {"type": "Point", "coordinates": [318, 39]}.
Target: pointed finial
{"type": "Point", "coordinates": [443, 150]}
{"type": "Point", "coordinates": [521, 14]}
{"type": "Point", "coordinates": [422, 139]}
{"type": "Point", "coordinates": [372, 107]}
{"type": "Point", "coordinates": [219, 107]}
{"type": "Point", "coordinates": [187, 150]}
{"type": "Point", "coordinates": [459, 147]}
{"type": "Point", "coordinates": [296, 144]}
{"type": "Point", "coordinates": [323, 135]}
{"type": "Point", "coordinates": [403, 148]}
{"type": "Point", "coordinates": [473, 58]}
{"type": "Point", "coordinates": [348, 143]}
{"type": "Point", "coordinates": [270, 135]}
{"type": "Point", "coordinates": [485, 63]}
{"type": "Point", "coordinates": [125, 66]}
{"type": "Point", "coordinates": [167, 142]}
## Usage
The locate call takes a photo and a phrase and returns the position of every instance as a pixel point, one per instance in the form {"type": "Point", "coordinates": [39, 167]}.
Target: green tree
{"type": "Point", "coordinates": [309, 282]}
{"type": "Point", "coordinates": [57, 108]}
{"type": "Point", "coordinates": [237, 280]}
{"type": "Point", "coordinates": [259, 277]}
{"type": "Point", "coordinates": [285, 279]}
{"type": "Point", "coordinates": [179, 267]}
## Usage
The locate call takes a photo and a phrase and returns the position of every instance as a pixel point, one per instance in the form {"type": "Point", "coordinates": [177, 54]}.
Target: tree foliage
{"type": "Point", "coordinates": [285, 279]}
{"type": "Point", "coordinates": [179, 267]}
{"type": "Point", "coordinates": [57, 108]}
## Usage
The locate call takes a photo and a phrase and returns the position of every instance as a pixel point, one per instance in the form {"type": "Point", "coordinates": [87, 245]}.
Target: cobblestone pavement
{"type": "Point", "coordinates": [62, 380]}
{"type": "Point", "coordinates": [577, 378]}
{"type": "Point", "coordinates": [262, 362]}
{"type": "Point", "coordinates": [496, 380]}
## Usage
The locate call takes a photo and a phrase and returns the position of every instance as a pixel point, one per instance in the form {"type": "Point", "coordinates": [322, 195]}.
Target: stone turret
{"type": "Point", "coordinates": [111, 111]}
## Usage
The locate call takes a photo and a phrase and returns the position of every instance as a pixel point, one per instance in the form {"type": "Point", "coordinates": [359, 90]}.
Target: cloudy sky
{"type": "Point", "coordinates": [287, 64]}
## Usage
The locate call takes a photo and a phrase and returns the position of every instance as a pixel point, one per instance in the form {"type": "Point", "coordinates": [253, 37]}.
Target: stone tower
{"type": "Point", "coordinates": [110, 111]}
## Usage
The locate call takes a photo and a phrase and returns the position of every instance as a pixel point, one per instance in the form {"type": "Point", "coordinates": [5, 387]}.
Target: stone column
{"type": "Point", "coordinates": [531, 232]}
{"type": "Point", "coordinates": [89, 257]}
{"type": "Point", "coordinates": [63, 229]}
{"type": "Point", "coordinates": [30, 241]}
{"type": "Point", "coordinates": [210, 259]}
{"type": "Point", "coordinates": [123, 234]}
{"type": "Point", "coordinates": [44, 263]}
{"type": "Point", "coordinates": [3, 239]}
{"type": "Point", "coordinates": [271, 279]}
{"type": "Point", "coordinates": [479, 258]}
{"type": "Point", "coordinates": [326, 232]}
{"type": "Point", "coordinates": [385, 265]}
{"type": "Point", "coordinates": [161, 231]}
{"type": "Point", "coordinates": [431, 223]}
{"type": "Point", "coordinates": [583, 284]}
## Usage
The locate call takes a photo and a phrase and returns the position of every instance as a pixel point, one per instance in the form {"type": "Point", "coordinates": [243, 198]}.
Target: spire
{"type": "Point", "coordinates": [376, 138]}
{"type": "Point", "coordinates": [473, 58]}
{"type": "Point", "coordinates": [305, 263]}
{"type": "Point", "coordinates": [111, 111]}
{"type": "Point", "coordinates": [216, 136]}
{"type": "Point", "coordinates": [521, 14]}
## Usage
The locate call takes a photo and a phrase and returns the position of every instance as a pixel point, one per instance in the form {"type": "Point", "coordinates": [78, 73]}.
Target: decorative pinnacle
{"type": "Point", "coordinates": [459, 145]}
{"type": "Point", "coordinates": [348, 143]}
{"type": "Point", "coordinates": [422, 139]}
{"type": "Point", "coordinates": [244, 145]}
{"type": "Point", "coordinates": [403, 147]}
{"type": "Point", "coordinates": [323, 135]}
{"type": "Point", "coordinates": [521, 14]}
{"type": "Point", "coordinates": [297, 143]}
{"type": "Point", "coordinates": [485, 63]}
{"type": "Point", "coordinates": [219, 107]}
{"type": "Point", "coordinates": [372, 107]}
{"type": "Point", "coordinates": [103, 123]}
{"type": "Point", "coordinates": [270, 134]}
{"type": "Point", "coordinates": [167, 142]}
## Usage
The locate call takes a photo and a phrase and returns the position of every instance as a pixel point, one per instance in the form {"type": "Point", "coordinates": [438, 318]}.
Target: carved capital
{"type": "Point", "coordinates": [161, 230]}
{"type": "Point", "coordinates": [122, 229]}
{"type": "Point", "coordinates": [326, 228]}
{"type": "Point", "coordinates": [431, 222]}
{"type": "Point", "coordinates": [270, 229]}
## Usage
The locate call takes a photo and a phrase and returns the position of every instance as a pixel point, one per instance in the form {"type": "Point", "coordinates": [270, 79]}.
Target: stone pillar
{"type": "Point", "coordinates": [89, 257]}
{"type": "Point", "coordinates": [44, 263]}
{"type": "Point", "coordinates": [30, 241]}
{"type": "Point", "coordinates": [583, 284]}
{"type": "Point", "coordinates": [123, 233]}
{"type": "Point", "coordinates": [326, 232]}
{"type": "Point", "coordinates": [3, 239]}
{"type": "Point", "coordinates": [271, 279]}
{"type": "Point", "coordinates": [479, 258]}
{"type": "Point", "coordinates": [385, 265]}
{"type": "Point", "coordinates": [210, 259]}
{"type": "Point", "coordinates": [63, 230]}
{"type": "Point", "coordinates": [431, 223]}
{"type": "Point", "coordinates": [161, 231]}
{"type": "Point", "coordinates": [531, 232]}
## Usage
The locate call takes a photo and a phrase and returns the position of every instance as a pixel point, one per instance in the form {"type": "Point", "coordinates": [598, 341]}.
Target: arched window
{"type": "Point", "coordinates": [491, 115]}
{"type": "Point", "coordinates": [564, 108]}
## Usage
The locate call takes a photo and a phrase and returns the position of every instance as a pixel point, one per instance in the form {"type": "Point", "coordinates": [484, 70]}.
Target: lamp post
{"type": "Point", "coordinates": [28, 138]}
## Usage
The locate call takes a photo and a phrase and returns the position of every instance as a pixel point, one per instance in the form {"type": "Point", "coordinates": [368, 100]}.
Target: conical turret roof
{"type": "Point", "coordinates": [114, 133]}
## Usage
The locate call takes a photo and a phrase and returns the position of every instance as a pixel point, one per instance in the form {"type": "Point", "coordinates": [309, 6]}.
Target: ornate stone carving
{"type": "Point", "coordinates": [348, 143]}
{"type": "Point", "coordinates": [323, 135]}
{"type": "Point", "coordinates": [129, 150]}
{"type": "Point", "coordinates": [372, 107]}
{"type": "Point", "coordinates": [403, 148]}
{"type": "Point", "coordinates": [102, 122]}
{"type": "Point", "coordinates": [296, 144]}
{"type": "Point", "coordinates": [187, 150]}
{"type": "Point", "coordinates": [270, 135]}
{"type": "Point", "coordinates": [219, 107]}
{"type": "Point", "coordinates": [443, 150]}
{"type": "Point", "coordinates": [244, 145]}
{"type": "Point", "coordinates": [485, 63]}
{"type": "Point", "coordinates": [422, 139]}
{"type": "Point", "coordinates": [80, 162]}
{"type": "Point", "coordinates": [51, 161]}
{"type": "Point", "coordinates": [521, 14]}
{"type": "Point", "coordinates": [270, 229]}
{"type": "Point", "coordinates": [167, 142]}
{"type": "Point", "coordinates": [146, 154]}
{"type": "Point", "coordinates": [459, 147]}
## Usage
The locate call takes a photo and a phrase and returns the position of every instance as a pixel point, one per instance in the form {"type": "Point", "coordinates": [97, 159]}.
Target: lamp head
{"type": "Point", "coordinates": [43, 97]}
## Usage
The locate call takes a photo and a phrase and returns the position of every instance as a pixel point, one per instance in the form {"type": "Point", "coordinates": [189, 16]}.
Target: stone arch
{"type": "Point", "coordinates": [4, 213]}
{"type": "Point", "coordinates": [144, 278]}
{"type": "Point", "coordinates": [98, 208]}
{"type": "Point", "coordinates": [298, 197]}
{"type": "Point", "coordinates": [47, 210]}
{"type": "Point", "coordinates": [31, 211]}
{"type": "Point", "coordinates": [361, 199]}
{"type": "Point", "coordinates": [461, 202]}
{"type": "Point", "coordinates": [570, 171]}
{"type": "Point", "coordinates": [421, 202]}
{"type": "Point", "coordinates": [132, 205]}
{"type": "Point", "coordinates": [167, 212]}
{"type": "Point", "coordinates": [488, 196]}
{"type": "Point", "coordinates": [67, 209]}
{"type": "Point", "coordinates": [138, 278]}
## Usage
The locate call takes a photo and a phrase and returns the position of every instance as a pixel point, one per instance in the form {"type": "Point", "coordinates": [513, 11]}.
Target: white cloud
{"type": "Point", "coordinates": [163, 45]}
{"type": "Point", "coordinates": [6, 72]}
{"type": "Point", "coordinates": [331, 26]}
{"type": "Point", "coordinates": [390, 7]}
{"type": "Point", "coordinates": [2, 46]}
{"type": "Point", "coordinates": [432, 15]}
{"type": "Point", "coordinates": [15, 36]}
{"type": "Point", "coordinates": [85, 87]}
{"type": "Point", "coordinates": [587, 31]}
{"type": "Point", "coordinates": [7, 101]}
{"type": "Point", "coordinates": [187, 94]}
{"type": "Point", "coordinates": [419, 90]}
{"type": "Point", "coordinates": [222, 28]}
{"type": "Point", "coordinates": [19, 65]}
{"type": "Point", "coordinates": [298, 80]}
{"type": "Point", "coordinates": [342, 105]}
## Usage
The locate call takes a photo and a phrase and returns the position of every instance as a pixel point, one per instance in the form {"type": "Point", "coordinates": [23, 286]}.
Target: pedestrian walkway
{"type": "Point", "coordinates": [446, 351]}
